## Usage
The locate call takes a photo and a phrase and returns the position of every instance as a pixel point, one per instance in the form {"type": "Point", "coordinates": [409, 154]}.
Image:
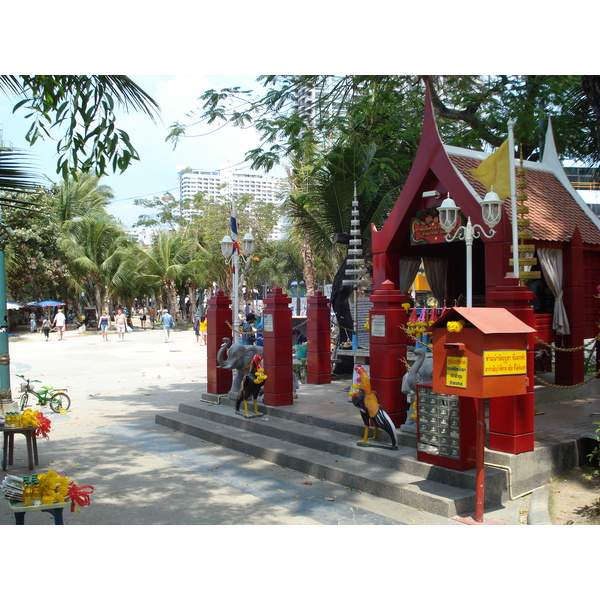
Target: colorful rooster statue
{"type": "Point", "coordinates": [366, 401]}
{"type": "Point", "coordinates": [252, 384]}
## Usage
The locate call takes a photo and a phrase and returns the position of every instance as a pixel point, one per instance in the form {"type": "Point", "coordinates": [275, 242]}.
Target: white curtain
{"type": "Point", "coordinates": [551, 261]}
{"type": "Point", "coordinates": [409, 267]}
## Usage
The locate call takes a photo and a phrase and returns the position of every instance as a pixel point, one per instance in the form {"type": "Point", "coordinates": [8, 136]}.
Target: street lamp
{"type": "Point", "coordinates": [491, 209]}
{"type": "Point", "coordinates": [5, 393]}
{"type": "Point", "coordinates": [231, 251]}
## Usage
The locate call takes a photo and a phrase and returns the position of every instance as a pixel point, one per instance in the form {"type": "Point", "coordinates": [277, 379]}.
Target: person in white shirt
{"type": "Point", "coordinates": [60, 323]}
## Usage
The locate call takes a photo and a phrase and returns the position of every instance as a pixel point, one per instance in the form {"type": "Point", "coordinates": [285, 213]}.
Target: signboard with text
{"type": "Point", "coordinates": [504, 362]}
{"type": "Point", "coordinates": [425, 228]}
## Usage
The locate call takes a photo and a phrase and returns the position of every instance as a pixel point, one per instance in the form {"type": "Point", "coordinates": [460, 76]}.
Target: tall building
{"type": "Point", "coordinates": [229, 183]}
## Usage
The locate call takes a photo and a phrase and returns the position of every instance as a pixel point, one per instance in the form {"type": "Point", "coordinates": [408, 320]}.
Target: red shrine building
{"type": "Point", "coordinates": [562, 235]}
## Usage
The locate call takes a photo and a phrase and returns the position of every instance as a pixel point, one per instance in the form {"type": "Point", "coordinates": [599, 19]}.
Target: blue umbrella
{"type": "Point", "coordinates": [49, 303]}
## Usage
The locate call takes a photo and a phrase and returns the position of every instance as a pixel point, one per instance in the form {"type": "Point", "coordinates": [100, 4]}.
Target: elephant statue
{"type": "Point", "coordinates": [421, 371]}
{"type": "Point", "coordinates": [239, 359]}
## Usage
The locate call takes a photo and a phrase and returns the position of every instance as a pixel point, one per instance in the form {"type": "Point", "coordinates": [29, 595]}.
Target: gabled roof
{"type": "Point", "coordinates": [555, 208]}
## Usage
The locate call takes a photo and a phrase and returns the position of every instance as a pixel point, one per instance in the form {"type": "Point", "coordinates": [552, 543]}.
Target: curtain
{"type": "Point", "coordinates": [435, 271]}
{"type": "Point", "coordinates": [552, 267]}
{"type": "Point", "coordinates": [409, 267]}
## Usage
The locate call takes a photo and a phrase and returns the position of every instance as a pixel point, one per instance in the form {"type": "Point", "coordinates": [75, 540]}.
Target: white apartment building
{"type": "Point", "coordinates": [231, 184]}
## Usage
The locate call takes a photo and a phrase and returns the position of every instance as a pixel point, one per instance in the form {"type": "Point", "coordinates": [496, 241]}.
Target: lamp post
{"type": "Point", "coordinates": [5, 393]}
{"type": "Point", "coordinates": [491, 209]}
{"type": "Point", "coordinates": [231, 251]}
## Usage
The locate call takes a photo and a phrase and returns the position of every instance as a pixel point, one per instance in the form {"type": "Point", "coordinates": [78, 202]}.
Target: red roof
{"type": "Point", "coordinates": [487, 320]}
{"type": "Point", "coordinates": [553, 211]}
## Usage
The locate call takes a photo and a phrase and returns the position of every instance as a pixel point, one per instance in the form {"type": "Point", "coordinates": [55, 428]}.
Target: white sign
{"type": "Point", "coordinates": [378, 325]}
{"type": "Point", "coordinates": [268, 322]}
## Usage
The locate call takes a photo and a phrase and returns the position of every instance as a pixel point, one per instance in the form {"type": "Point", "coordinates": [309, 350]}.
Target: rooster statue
{"type": "Point", "coordinates": [252, 384]}
{"type": "Point", "coordinates": [366, 401]}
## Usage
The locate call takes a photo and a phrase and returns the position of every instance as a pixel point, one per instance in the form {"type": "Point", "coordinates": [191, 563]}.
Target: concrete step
{"type": "Point", "coordinates": [328, 450]}
{"type": "Point", "coordinates": [373, 479]}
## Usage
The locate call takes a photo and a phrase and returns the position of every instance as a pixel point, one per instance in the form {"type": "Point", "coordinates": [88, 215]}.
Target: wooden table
{"type": "Point", "coordinates": [56, 510]}
{"type": "Point", "coordinates": [9, 443]}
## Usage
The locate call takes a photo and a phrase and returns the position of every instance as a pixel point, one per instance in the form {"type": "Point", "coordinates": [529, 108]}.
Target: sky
{"type": "Point", "coordinates": [189, 37]}
{"type": "Point", "coordinates": [156, 171]}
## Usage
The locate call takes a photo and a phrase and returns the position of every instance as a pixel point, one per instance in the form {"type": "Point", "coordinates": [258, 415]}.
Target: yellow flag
{"type": "Point", "coordinates": [495, 171]}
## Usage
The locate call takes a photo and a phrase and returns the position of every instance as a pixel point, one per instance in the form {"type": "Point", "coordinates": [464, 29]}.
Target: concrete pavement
{"type": "Point", "coordinates": [147, 474]}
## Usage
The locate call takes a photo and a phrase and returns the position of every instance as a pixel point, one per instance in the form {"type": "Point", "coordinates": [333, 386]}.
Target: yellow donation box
{"type": "Point", "coordinates": [480, 353]}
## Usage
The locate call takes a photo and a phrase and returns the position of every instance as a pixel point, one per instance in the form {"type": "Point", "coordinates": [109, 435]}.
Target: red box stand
{"type": "Point", "coordinates": [387, 348]}
{"type": "Point", "coordinates": [446, 429]}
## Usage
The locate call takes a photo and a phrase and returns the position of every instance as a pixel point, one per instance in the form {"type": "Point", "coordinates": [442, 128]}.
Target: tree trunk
{"type": "Point", "coordinates": [308, 268]}
{"type": "Point", "coordinates": [171, 293]}
{"type": "Point", "coordinates": [193, 292]}
{"type": "Point", "coordinates": [339, 302]}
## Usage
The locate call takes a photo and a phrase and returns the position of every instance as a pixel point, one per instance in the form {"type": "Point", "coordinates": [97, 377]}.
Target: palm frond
{"type": "Point", "coordinates": [14, 175]}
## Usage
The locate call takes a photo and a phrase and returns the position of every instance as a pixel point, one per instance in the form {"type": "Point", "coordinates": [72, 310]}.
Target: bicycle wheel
{"type": "Point", "coordinates": [60, 402]}
{"type": "Point", "coordinates": [23, 401]}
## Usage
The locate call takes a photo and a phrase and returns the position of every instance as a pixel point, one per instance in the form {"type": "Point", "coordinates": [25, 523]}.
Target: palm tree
{"type": "Point", "coordinates": [77, 197]}
{"type": "Point", "coordinates": [171, 261]}
{"type": "Point", "coordinates": [101, 259]}
{"type": "Point", "coordinates": [83, 107]}
{"type": "Point", "coordinates": [324, 209]}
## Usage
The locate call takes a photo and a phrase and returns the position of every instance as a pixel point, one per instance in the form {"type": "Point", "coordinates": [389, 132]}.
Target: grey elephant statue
{"type": "Point", "coordinates": [239, 359]}
{"type": "Point", "coordinates": [421, 371]}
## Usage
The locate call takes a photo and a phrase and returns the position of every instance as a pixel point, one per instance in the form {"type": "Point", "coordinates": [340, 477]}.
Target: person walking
{"type": "Point", "coordinates": [203, 330]}
{"type": "Point", "coordinates": [197, 327]}
{"type": "Point", "coordinates": [104, 324]}
{"type": "Point", "coordinates": [46, 327]}
{"type": "Point", "coordinates": [152, 316]}
{"type": "Point", "coordinates": [60, 322]}
{"type": "Point", "coordinates": [32, 323]}
{"type": "Point", "coordinates": [142, 313]}
{"type": "Point", "coordinates": [167, 323]}
{"type": "Point", "coordinates": [120, 324]}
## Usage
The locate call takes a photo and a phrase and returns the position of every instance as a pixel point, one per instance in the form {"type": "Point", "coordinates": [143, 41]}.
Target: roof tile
{"type": "Point", "coordinates": [553, 212]}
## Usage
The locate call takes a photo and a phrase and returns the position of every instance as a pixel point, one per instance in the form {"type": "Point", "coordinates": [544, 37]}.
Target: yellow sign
{"type": "Point", "coordinates": [505, 362]}
{"type": "Point", "coordinates": [456, 371]}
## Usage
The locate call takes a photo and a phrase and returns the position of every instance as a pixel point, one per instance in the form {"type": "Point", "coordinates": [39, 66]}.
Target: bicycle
{"type": "Point", "coordinates": [57, 399]}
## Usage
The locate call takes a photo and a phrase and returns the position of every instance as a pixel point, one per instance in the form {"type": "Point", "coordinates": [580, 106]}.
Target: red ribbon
{"type": "Point", "coordinates": [79, 495]}
{"type": "Point", "coordinates": [43, 427]}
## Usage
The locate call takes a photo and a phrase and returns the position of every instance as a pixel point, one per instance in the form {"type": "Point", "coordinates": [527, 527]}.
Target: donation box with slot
{"type": "Point", "coordinates": [480, 353]}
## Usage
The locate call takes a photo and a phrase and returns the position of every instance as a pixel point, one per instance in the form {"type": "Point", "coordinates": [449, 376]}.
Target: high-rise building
{"type": "Point", "coordinates": [231, 184]}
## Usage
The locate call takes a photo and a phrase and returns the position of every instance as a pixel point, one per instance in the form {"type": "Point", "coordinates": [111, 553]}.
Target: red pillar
{"type": "Point", "coordinates": [387, 349]}
{"type": "Point", "coordinates": [318, 329]}
{"type": "Point", "coordinates": [277, 349]}
{"type": "Point", "coordinates": [512, 417]}
{"type": "Point", "coordinates": [569, 366]}
{"type": "Point", "coordinates": [217, 315]}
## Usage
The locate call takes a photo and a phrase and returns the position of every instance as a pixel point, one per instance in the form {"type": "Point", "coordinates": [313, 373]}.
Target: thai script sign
{"type": "Point", "coordinates": [504, 362]}
{"type": "Point", "coordinates": [456, 371]}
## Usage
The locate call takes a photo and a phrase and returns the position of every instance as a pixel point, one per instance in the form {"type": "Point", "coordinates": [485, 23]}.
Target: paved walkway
{"type": "Point", "coordinates": [146, 474]}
